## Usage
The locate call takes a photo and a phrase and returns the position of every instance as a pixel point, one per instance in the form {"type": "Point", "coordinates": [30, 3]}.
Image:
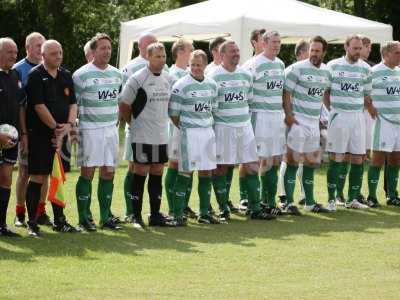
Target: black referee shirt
{"type": "Point", "coordinates": [12, 96]}
{"type": "Point", "coordinates": [57, 94]}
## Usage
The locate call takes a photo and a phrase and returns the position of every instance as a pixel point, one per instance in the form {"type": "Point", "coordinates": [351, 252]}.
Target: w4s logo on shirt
{"type": "Point", "coordinates": [347, 87]}
{"type": "Point", "coordinates": [231, 97]}
{"type": "Point", "coordinates": [272, 85]}
{"type": "Point", "coordinates": [202, 107]}
{"type": "Point", "coordinates": [391, 90]}
{"type": "Point", "coordinates": [107, 94]}
{"type": "Point", "coordinates": [315, 92]}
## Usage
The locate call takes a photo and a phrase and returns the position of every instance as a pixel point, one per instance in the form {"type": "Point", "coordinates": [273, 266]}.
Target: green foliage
{"type": "Point", "coordinates": [73, 23]}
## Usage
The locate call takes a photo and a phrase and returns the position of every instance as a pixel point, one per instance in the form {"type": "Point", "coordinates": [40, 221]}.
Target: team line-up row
{"type": "Point", "coordinates": [199, 117]}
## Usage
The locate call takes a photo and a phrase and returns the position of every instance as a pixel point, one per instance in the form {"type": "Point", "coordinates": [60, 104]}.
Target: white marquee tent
{"type": "Point", "coordinates": [237, 18]}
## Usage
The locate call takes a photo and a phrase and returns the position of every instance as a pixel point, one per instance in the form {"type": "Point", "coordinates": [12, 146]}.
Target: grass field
{"type": "Point", "coordinates": [345, 255]}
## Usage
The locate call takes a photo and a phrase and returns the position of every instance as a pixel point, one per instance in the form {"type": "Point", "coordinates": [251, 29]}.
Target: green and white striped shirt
{"type": "Point", "coordinates": [177, 73]}
{"type": "Point", "coordinates": [193, 102]}
{"type": "Point", "coordinates": [268, 80]}
{"type": "Point", "coordinates": [386, 92]}
{"type": "Point", "coordinates": [235, 92]}
{"type": "Point", "coordinates": [350, 84]}
{"type": "Point", "coordinates": [133, 66]}
{"type": "Point", "coordinates": [97, 92]}
{"type": "Point", "coordinates": [307, 84]}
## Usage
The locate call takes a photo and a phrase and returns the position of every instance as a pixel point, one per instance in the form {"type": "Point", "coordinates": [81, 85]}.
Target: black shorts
{"type": "Point", "coordinates": [9, 156]}
{"type": "Point", "coordinates": [40, 154]}
{"type": "Point", "coordinates": [149, 154]}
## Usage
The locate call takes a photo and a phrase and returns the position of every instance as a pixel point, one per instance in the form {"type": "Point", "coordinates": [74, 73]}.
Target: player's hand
{"type": "Point", "coordinates": [57, 142]}
{"type": "Point", "coordinates": [372, 111]}
{"type": "Point", "coordinates": [5, 140]}
{"type": "Point", "coordinates": [74, 136]}
{"type": "Point", "coordinates": [290, 120]}
{"type": "Point", "coordinates": [62, 129]}
{"type": "Point", "coordinates": [23, 143]}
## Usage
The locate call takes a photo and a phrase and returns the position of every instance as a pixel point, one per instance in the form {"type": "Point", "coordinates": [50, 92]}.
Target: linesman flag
{"type": "Point", "coordinates": [57, 179]}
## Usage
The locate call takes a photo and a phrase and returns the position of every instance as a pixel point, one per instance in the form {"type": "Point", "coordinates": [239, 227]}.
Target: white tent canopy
{"type": "Point", "coordinates": [237, 18]}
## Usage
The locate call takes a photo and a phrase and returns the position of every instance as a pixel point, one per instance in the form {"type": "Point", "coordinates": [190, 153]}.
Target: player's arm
{"type": "Point", "coordinates": [287, 107]}
{"type": "Point", "coordinates": [174, 105]}
{"type": "Point", "coordinates": [127, 98]}
{"type": "Point", "coordinates": [370, 107]}
{"type": "Point", "coordinates": [327, 99]}
{"type": "Point", "coordinates": [291, 80]}
{"type": "Point", "coordinates": [367, 96]}
{"type": "Point", "coordinates": [22, 123]}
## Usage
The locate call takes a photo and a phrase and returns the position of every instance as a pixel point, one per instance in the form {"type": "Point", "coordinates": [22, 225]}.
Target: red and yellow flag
{"type": "Point", "coordinates": [57, 179]}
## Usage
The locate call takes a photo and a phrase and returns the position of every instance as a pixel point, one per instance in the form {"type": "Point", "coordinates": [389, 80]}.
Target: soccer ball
{"type": "Point", "coordinates": [12, 132]}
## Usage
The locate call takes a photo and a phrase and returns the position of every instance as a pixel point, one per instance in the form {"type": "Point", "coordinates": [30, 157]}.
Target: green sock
{"type": "Point", "coordinates": [355, 181]}
{"type": "Point", "coordinates": [82, 190]}
{"type": "Point", "coordinates": [229, 176]}
{"type": "Point", "coordinates": [308, 184]}
{"type": "Point", "coordinates": [253, 189]}
{"type": "Point", "coordinates": [219, 185]}
{"type": "Point", "coordinates": [109, 203]}
{"type": "Point", "coordinates": [242, 188]}
{"type": "Point", "coordinates": [271, 182]}
{"type": "Point", "coordinates": [392, 178]}
{"type": "Point", "coordinates": [180, 188]}
{"type": "Point", "coordinates": [290, 182]}
{"type": "Point", "coordinates": [332, 178]}
{"type": "Point", "coordinates": [264, 187]}
{"type": "Point", "coordinates": [128, 193]}
{"type": "Point", "coordinates": [341, 181]}
{"type": "Point", "coordinates": [169, 183]}
{"type": "Point", "coordinates": [204, 190]}
{"type": "Point", "coordinates": [89, 203]}
{"type": "Point", "coordinates": [373, 179]}
{"type": "Point", "coordinates": [104, 195]}
{"type": "Point", "coordinates": [188, 192]}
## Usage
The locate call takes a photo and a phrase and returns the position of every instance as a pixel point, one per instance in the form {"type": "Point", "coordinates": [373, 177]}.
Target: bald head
{"type": "Point", "coordinates": [8, 53]}
{"type": "Point", "coordinates": [52, 54]}
{"type": "Point", "coordinates": [144, 41]}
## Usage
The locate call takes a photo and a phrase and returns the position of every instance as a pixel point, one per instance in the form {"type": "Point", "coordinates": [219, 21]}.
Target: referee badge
{"type": "Point", "coordinates": [66, 92]}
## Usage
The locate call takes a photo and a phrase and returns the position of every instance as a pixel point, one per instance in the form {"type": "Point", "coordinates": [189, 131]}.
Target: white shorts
{"type": "Point", "coordinates": [269, 131]}
{"type": "Point", "coordinates": [385, 136]}
{"type": "Point", "coordinates": [368, 129]}
{"type": "Point", "coordinates": [197, 151]}
{"type": "Point", "coordinates": [128, 146]}
{"type": "Point", "coordinates": [346, 133]}
{"type": "Point", "coordinates": [173, 143]}
{"type": "Point", "coordinates": [235, 145]}
{"type": "Point", "coordinates": [98, 147]}
{"type": "Point", "coordinates": [305, 136]}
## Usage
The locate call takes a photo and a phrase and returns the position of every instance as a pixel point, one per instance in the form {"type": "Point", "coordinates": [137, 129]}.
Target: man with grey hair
{"type": "Point", "coordinates": [301, 50]}
{"type": "Point", "coordinates": [386, 128]}
{"type": "Point", "coordinates": [132, 67]}
{"type": "Point", "coordinates": [33, 45]}
{"type": "Point", "coordinates": [11, 100]}
{"type": "Point", "coordinates": [88, 52]}
{"type": "Point", "coordinates": [51, 112]}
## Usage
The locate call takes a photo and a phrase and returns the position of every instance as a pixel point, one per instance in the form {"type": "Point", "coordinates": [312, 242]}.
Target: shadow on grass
{"type": "Point", "coordinates": [186, 239]}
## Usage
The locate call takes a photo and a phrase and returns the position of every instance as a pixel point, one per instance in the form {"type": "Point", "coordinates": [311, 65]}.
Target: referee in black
{"type": "Point", "coordinates": [12, 98]}
{"type": "Point", "coordinates": [51, 113]}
